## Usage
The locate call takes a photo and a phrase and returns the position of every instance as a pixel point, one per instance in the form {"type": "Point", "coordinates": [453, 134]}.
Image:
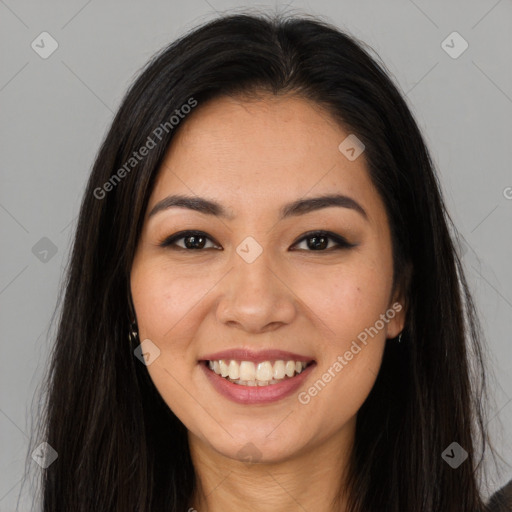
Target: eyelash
{"type": "Point", "coordinates": [341, 242]}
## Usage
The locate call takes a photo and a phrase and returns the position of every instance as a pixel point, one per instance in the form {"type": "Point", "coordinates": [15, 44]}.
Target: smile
{"type": "Point", "coordinates": [249, 378]}
{"type": "Point", "coordinates": [265, 373]}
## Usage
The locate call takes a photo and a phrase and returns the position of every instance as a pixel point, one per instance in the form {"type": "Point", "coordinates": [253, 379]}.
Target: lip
{"type": "Point", "coordinates": [239, 354]}
{"type": "Point", "coordinates": [256, 394]}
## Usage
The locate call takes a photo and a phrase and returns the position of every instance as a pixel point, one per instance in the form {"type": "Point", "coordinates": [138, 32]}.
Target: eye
{"type": "Point", "coordinates": [194, 240]}
{"type": "Point", "coordinates": [319, 241]}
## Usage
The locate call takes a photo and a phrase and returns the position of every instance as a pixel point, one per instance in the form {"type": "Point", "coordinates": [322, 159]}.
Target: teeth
{"type": "Point", "coordinates": [289, 368]}
{"type": "Point", "coordinates": [279, 370]}
{"type": "Point", "coordinates": [247, 370]}
{"type": "Point", "coordinates": [264, 371]}
{"type": "Point", "coordinates": [234, 370]}
{"type": "Point", "coordinates": [246, 373]}
{"type": "Point", "coordinates": [223, 368]}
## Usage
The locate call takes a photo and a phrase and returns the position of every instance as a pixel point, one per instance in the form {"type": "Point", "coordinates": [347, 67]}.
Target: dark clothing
{"type": "Point", "coordinates": [501, 501]}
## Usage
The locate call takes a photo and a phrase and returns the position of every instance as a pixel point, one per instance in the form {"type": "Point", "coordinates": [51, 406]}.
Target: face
{"type": "Point", "coordinates": [265, 310]}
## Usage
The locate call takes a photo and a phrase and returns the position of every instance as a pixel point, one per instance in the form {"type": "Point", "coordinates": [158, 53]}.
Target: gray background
{"type": "Point", "coordinates": [55, 112]}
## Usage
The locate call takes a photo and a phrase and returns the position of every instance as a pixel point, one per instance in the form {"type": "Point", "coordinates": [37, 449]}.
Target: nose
{"type": "Point", "coordinates": [255, 297]}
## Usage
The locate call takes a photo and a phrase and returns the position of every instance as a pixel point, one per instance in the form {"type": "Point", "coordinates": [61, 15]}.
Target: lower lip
{"type": "Point", "coordinates": [256, 394]}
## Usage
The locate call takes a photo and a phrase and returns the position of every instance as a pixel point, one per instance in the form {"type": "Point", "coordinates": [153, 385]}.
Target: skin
{"type": "Point", "coordinates": [253, 156]}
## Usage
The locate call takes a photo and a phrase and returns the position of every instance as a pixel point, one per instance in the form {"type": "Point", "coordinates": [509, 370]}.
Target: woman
{"type": "Point", "coordinates": [264, 308]}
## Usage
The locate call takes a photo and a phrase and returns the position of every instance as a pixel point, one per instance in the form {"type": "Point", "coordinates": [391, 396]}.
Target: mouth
{"type": "Point", "coordinates": [264, 373]}
{"type": "Point", "coordinates": [253, 378]}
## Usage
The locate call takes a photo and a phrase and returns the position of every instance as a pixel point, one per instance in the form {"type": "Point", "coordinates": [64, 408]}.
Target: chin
{"type": "Point", "coordinates": [251, 448]}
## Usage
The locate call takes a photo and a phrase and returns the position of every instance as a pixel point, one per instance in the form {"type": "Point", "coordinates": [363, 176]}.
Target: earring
{"type": "Point", "coordinates": [133, 335]}
{"type": "Point", "coordinates": [399, 337]}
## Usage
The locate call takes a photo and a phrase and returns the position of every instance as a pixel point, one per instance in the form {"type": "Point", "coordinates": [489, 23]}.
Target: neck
{"type": "Point", "coordinates": [313, 479]}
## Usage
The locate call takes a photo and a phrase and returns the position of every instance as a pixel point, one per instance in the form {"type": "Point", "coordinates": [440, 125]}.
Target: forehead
{"type": "Point", "coordinates": [261, 153]}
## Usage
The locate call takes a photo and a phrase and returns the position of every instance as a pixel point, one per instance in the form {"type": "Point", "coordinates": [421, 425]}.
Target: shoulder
{"type": "Point", "coordinates": [501, 501]}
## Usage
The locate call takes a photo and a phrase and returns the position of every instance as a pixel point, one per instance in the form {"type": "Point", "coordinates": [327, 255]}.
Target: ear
{"type": "Point", "coordinates": [398, 304]}
{"type": "Point", "coordinates": [396, 312]}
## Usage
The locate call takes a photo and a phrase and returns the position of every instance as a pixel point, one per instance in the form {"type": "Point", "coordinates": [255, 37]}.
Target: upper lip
{"type": "Point", "coordinates": [240, 354]}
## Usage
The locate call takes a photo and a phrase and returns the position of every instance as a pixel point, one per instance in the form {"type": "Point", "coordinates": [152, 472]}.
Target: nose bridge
{"type": "Point", "coordinates": [254, 296]}
{"type": "Point", "coordinates": [254, 276]}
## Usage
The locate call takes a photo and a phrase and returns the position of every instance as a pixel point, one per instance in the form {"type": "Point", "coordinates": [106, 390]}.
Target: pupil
{"type": "Point", "coordinates": [319, 242]}
{"type": "Point", "coordinates": [194, 238]}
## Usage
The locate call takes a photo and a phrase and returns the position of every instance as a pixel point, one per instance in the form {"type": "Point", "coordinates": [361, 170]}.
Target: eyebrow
{"type": "Point", "coordinates": [295, 208]}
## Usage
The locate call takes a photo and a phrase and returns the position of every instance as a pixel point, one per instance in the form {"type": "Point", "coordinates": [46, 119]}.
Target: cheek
{"type": "Point", "coordinates": [163, 299]}
{"type": "Point", "coordinates": [350, 304]}
{"type": "Point", "coordinates": [349, 299]}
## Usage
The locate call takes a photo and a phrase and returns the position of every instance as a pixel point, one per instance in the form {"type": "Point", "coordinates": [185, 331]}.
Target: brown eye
{"type": "Point", "coordinates": [193, 240]}
{"type": "Point", "coordinates": [319, 241]}
{"type": "Point", "coordinates": [316, 241]}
